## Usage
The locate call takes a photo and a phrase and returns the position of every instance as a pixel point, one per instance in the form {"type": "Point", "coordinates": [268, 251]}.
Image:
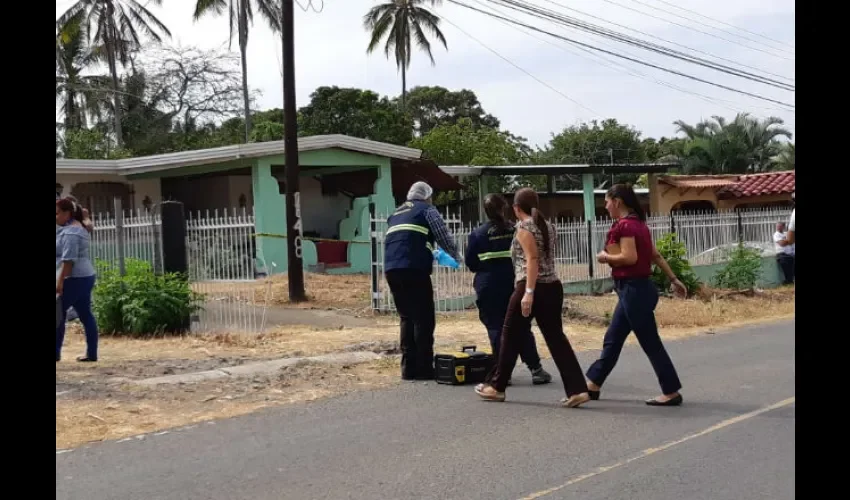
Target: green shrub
{"type": "Point", "coordinates": [742, 270]}
{"type": "Point", "coordinates": [142, 302]}
{"type": "Point", "coordinates": [674, 252]}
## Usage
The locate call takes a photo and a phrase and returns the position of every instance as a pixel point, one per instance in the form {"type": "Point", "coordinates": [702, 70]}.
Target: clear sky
{"type": "Point", "coordinates": [330, 49]}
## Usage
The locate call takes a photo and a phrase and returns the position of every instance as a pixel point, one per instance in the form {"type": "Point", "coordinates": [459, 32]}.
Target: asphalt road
{"type": "Point", "coordinates": [733, 439]}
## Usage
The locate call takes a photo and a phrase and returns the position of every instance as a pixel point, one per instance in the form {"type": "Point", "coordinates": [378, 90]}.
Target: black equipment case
{"type": "Point", "coordinates": [467, 366]}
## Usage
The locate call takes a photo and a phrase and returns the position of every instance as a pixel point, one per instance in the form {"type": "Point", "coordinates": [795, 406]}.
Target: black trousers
{"type": "Point", "coordinates": [788, 265]}
{"type": "Point", "coordinates": [492, 302]}
{"type": "Point", "coordinates": [414, 300]}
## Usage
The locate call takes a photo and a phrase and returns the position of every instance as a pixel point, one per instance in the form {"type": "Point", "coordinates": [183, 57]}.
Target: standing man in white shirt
{"type": "Point", "coordinates": [792, 227]}
{"type": "Point", "coordinates": [784, 253]}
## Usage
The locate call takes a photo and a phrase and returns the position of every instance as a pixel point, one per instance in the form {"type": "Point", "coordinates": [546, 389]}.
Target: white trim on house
{"type": "Point", "coordinates": [223, 154]}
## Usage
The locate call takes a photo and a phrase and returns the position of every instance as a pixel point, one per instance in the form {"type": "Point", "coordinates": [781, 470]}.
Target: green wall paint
{"type": "Point", "coordinates": [587, 196]}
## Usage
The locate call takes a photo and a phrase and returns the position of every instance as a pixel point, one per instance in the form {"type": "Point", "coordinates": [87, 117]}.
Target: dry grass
{"type": "Point", "coordinates": [114, 413]}
{"type": "Point", "coordinates": [101, 408]}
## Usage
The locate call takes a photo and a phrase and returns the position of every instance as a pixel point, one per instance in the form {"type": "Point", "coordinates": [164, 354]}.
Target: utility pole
{"type": "Point", "coordinates": [295, 267]}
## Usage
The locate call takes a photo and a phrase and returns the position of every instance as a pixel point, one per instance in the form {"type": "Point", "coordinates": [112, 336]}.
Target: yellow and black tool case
{"type": "Point", "coordinates": [467, 366]}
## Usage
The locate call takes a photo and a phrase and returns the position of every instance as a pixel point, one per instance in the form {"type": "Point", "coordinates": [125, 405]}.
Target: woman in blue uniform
{"type": "Point", "coordinates": [488, 255]}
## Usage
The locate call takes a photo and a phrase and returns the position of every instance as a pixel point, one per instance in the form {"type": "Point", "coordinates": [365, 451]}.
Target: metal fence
{"type": "Point", "coordinates": [221, 260]}
{"type": "Point", "coordinates": [127, 235]}
{"type": "Point", "coordinates": [707, 237]}
{"type": "Point", "coordinates": [220, 255]}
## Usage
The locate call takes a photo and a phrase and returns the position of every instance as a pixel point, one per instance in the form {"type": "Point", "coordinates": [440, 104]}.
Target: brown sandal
{"type": "Point", "coordinates": [489, 393]}
{"type": "Point", "coordinates": [576, 400]}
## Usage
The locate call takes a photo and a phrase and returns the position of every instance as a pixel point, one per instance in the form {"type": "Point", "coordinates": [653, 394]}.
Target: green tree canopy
{"type": "Point", "coordinates": [430, 107]}
{"type": "Point", "coordinates": [354, 112]}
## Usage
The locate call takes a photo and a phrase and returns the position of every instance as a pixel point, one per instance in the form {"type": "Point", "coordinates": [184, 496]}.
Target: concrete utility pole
{"type": "Point", "coordinates": [295, 266]}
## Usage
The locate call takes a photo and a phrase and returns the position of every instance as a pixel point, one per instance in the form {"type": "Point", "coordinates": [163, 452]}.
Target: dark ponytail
{"type": "Point", "coordinates": [625, 193]}
{"type": "Point", "coordinates": [495, 207]}
{"type": "Point", "coordinates": [528, 201]}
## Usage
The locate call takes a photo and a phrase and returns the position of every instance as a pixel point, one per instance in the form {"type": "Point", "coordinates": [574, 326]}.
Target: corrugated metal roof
{"type": "Point", "coordinates": [699, 181]}
{"type": "Point", "coordinates": [154, 163]}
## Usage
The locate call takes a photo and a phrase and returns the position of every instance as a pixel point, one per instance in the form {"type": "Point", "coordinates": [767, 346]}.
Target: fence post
{"type": "Point", "coordinates": [373, 238]}
{"type": "Point", "coordinates": [590, 255]}
{"type": "Point", "coordinates": [174, 252]}
{"type": "Point", "coordinates": [672, 222]}
{"type": "Point", "coordinates": [119, 234]}
{"type": "Point", "coordinates": [740, 228]}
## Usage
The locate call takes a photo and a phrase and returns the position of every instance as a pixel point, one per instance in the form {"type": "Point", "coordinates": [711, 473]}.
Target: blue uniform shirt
{"type": "Point", "coordinates": [488, 255]}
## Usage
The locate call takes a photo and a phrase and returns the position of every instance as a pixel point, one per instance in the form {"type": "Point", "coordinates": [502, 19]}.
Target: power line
{"type": "Point", "coordinates": [698, 30]}
{"type": "Point", "coordinates": [667, 41]}
{"type": "Point", "coordinates": [599, 59]}
{"type": "Point", "coordinates": [565, 96]}
{"type": "Point", "coordinates": [546, 14]}
{"type": "Point", "coordinates": [621, 56]}
{"type": "Point", "coordinates": [715, 20]}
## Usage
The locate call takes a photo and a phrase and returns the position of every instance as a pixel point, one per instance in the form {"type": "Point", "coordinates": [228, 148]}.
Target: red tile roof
{"type": "Point", "coordinates": [771, 183]}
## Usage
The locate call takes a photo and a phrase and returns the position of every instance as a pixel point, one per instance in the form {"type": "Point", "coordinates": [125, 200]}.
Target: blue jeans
{"type": "Point", "coordinates": [77, 294]}
{"type": "Point", "coordinates": [635, 312]}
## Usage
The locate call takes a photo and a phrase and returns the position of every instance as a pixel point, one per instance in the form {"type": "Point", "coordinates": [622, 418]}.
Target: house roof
{"type": "Point", "coordinates": [144, 164]}
{"type": "Point", "coordinates": [583, 168]}
{"type": "Point", "coordinates": [699, 181]}
{"type": "Point", "coordinates": [770, 183]}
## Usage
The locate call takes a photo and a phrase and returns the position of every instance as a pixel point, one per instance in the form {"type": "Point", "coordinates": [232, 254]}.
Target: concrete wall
{"type": "Point", "coordinates": [322, 213]}
{"type": "Point", "coordinates": [139, 188]}
{"type": "Point", "coordinates": [664, 198]}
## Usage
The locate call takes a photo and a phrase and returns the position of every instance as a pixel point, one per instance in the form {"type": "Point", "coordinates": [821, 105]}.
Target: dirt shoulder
{"type": "Point", "coordinates": [99, 403]}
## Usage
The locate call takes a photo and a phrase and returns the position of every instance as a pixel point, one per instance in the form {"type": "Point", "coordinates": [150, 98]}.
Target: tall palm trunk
{"type": "Point", "coordinates": [243, 49]}
{"type": "Point", "coordinates": [403, 88]}
{"type": "Point", "coordinates": [113, 71]}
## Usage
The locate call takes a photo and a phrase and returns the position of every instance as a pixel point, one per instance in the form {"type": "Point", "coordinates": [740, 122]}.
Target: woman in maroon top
{"type": "Point", "coordinates": [631, 269]}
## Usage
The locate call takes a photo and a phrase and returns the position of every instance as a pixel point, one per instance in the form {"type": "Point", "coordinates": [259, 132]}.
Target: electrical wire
{"type": "Point", "coordinates": [602, 60]}
{"type": "Point", "coordinates": [572, 22]}
{"type": "Point", "coordinates": [621, 56]}
{"type": "Point", "coordinates": [565, 96]}
{"type": "Point", "coordinates": [718, 21]}
{"type": "Point", "coordinates": [612, 2]}
{"type": "Point", "coordinates": [666, 41]}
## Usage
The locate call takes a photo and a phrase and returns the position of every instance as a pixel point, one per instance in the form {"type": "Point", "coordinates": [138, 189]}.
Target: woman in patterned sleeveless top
{"type": "Point", "coordinates": [539, 294]}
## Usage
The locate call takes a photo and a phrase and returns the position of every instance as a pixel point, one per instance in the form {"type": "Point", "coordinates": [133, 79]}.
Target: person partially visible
{"type": "Point", "coordinates": [784, 253]}
{"type": "Point", "coordinates": [630, 252]}
{"type": "Point", "coordinates": [791, 236]}
{"type": "Point", "coordinates": [412, 231]}
{"type": "Point", "coordinates": [75, 275]}
{"type": "Point", "coordinates": [488, 255]}
{"type": "Point", "coordinates": [539, 295]}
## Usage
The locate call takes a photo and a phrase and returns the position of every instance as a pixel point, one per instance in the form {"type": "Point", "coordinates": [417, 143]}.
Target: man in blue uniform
{"type": "Point", "coordinates": [412, 231]}
{"type": "Point", "coordinates": [488, 255]}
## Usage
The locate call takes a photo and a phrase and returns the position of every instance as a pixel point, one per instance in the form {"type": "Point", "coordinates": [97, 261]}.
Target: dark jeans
{"type": "Point", "coordinates": [788, 265]}
{"type": "Point", "coordinates": [546, 309]}
{"type": "Point", "coordinates": [635, 312]}
{"type": "Point", "coordinates": [492, 302]}
{"type": "Point", "coordinates": [414, 300]}
{"type": "Point", "coordinates": [77, 294]}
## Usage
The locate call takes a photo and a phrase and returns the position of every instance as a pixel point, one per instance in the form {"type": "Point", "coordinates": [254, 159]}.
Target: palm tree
{"type": "Point", "coordinates": [115, 25]}
{"type": "Point", "coordinates": [241, 16]}
{"type": "Point", "coordinates": [81, 95]}
{"type": "Point", "coordinates": [400, 21]}
{"type": "Point", "coordinates": [744, 145]}
{"type": "Point", "coordinates": [785, 159]}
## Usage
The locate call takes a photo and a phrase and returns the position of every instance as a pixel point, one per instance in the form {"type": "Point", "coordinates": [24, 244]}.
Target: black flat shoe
{"type": "Point", "coordinates": [594, 395]}
{"type": "Point", "coordinates": [85, 359]}
{"type": "Point", "coordinates": [675, 401]}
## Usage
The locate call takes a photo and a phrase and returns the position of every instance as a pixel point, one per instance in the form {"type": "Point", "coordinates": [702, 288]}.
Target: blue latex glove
{"type": "Point", "coordinates": [444, 259]}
